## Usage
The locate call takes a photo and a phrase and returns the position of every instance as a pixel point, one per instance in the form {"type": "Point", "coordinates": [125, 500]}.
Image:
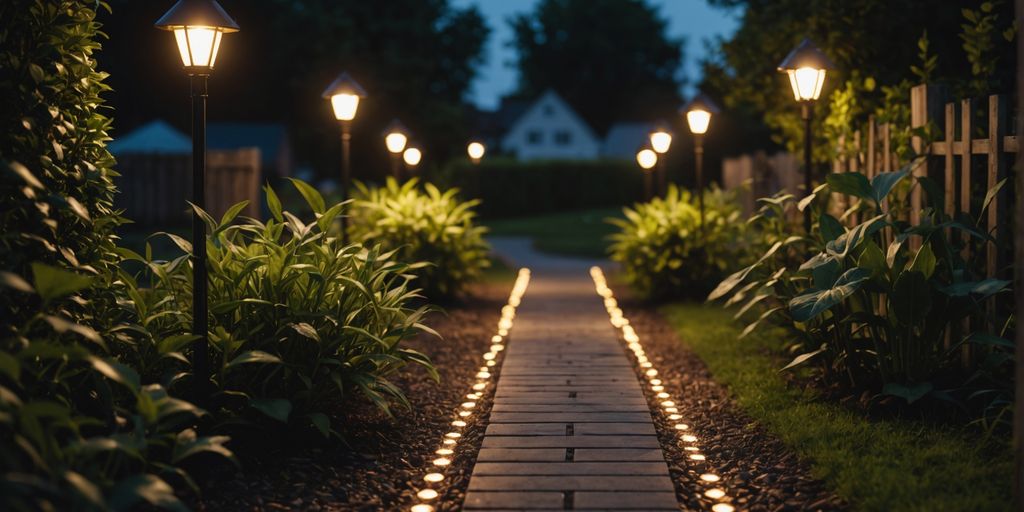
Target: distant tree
{"type": "Point", "coordinates": [610, 59]}
{"type": "Point", "coordinates": [875, 44]}
{"type": "Point", "coordinates": [416, 58]}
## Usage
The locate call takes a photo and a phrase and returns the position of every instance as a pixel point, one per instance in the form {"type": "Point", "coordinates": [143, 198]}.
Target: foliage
{"type": "Point", "coordinates": [299, 321]}
{"type": "Point", "coordinates": [663, 250]}
{"type": "Point", "coordinates": [610, 59]}
{"type": "Point", "coordinates": [874, 310]}
{"type": "Point", "coordinates": [980, 44]}
{"type": "Point", "coordinates": [423, 226]}
{"type": "Point", "coordinates": [504, 185]}
{"type": "Point", "coordinates": [874, 464]}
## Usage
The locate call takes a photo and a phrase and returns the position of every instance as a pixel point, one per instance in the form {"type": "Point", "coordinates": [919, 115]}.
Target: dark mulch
{"type": "Point", "coordinates": [381, 464]}
{"type": "Point", "coordinates": [757, 470]}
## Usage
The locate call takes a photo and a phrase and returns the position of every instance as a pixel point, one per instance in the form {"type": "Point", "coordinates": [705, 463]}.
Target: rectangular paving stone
{"type": "Point", "coordinates": [626, 500]}
{"type": "Point", "coordinates": [617, 454]}
{"type": "Point", "coordinates": [521, 455]}
{"type": "Point", "coordinates": [555, 400]}
{"type": "Point", "coordinates": [525, 429]}
{"type": "Point", "coordinates": [483, 500]}
{"type": "Point", "coordinates": [571, 483]}
{"type": "Point", "coordinates": [571, 468]}
{"type": "Point", "coordinates": [570, 417]}
{"type": "Point", "coordinates": [564, 441]}
{"type": "Point", "coordinates": [604, 429]}
{"type": "Point", "coordinates": [635, 407]}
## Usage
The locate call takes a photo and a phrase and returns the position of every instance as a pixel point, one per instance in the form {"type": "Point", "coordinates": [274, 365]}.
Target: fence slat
{"type": "Point", "coordinates": [965, 170]}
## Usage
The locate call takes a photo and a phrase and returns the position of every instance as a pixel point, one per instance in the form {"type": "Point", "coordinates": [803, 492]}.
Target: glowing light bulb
{"type": "Point", "coordinates": [710, 477]}
{"type": "Point", "coordinates": [426, 494]}
{"type": "Point", "coordinates": [422, 507]}
{"type": "Point", "coordinates": [433, 477]}
{"type": "Point", "coordinates": [714, 493]}
{"type": "Point", "coordinates": [442, 461]}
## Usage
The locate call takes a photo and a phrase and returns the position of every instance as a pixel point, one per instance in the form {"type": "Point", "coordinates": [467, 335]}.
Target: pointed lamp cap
{"type": "Point", "coordinates": [806, 55]}
{"type": "Point", "coordinates": [197, 13]}
{"type": "Point", "coordinates": [701, 102]}
{"type": "Point", "coordinates": [344, 84]}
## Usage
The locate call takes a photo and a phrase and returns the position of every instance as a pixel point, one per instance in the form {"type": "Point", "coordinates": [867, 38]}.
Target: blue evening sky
{"type": "Point", "coordinates": [693, 19]}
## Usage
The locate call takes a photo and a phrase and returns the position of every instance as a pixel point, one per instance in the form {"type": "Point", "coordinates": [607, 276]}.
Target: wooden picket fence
{"type": "Point", "coordinates": [155, 188]}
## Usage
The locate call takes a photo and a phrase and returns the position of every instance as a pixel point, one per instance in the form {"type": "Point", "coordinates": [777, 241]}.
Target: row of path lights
{"type": "Point", "coordinates": [198, 26]}
{"type": "Point", "coordinates": [450, 441]}
{"type": "Point", "coordinates": [806, 66]}
{"type": "Point", "coordinates": [689, 442]}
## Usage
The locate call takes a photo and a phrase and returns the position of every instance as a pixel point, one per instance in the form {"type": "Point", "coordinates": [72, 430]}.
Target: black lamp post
{"type": "Point", "coordinates": [661, 141]}
{"type": "Point", "coordinates": [344, 94]}
{"type": "Point", "coordinates": [198, 26]}
{"type": "Point", "coordinates": [698, 116]}
{"type": "Point", "coordinates": [647, 159]}
{"type": "Point", "coordinates": [806, 66]}
{"type": "Point", "coordinates": [396, 135]}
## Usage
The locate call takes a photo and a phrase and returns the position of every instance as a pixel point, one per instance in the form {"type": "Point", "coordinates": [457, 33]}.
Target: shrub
{"type": "Point", "coordinates": [423, 226]}
{"type": "Point", "coordinates": [508, 188]}
{"type": "Point", "coordinates": [879, 318]}
{"type": "Point", "coordinates": [663, 252]}
{"type": "Point", "coordinates": [299, 321]}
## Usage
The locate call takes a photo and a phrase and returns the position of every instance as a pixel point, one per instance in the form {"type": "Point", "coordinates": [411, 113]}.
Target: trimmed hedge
{"type": "Point", "coordinates": [508, 188]}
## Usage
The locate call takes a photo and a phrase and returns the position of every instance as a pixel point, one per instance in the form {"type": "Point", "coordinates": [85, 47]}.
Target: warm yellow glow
{"type": "Point", "coordinates": [682, 426]}
{"type": "Point", "coordinates": [710, 477]}
{"type": "Point", "coordinates": [442, 461]}
{"type": "Point", "coordinates": [453, 435]}
{"type": "Point", "coordinates": [647, 159]}
{"type": "Point", "coordinates": [675, 417]}
{"type": "Point", "coordinates": [444, 451]}
{"type": "Point", "coordinates": [345, 106]}
{"type": "Point", "coordinates": [475, 150]}
{"type": "Point", "coordinates": [412, 157]}
{"type": "Point", "coordinates": [198, 46]}
{"type": "Point", "coordinates": [661, 141]}
{"type": "Point", "coordinates": [433, 477]}
{"type": "Point", "coordinates": [465, 414]}
{"type": "Point", "coordinates": [663, 395]}
{"type": "Point", "coordinates": [459, 423]}
{"type": "Point", "coordinates": [722, 507]}
{"type": "Point", "coordinates": [426, 494]}
{"type": "Point", "coordinates": [696, 456]}
{"type": "Point", "coordinates": [422, 507]}
{"type": "Point", "coordinates": [449, 441]}
{"type": "Point", "coordinates": [698, 121]}
{"type": "Point", "coordinates": [652, 373]}
{"type": "Point", "coordinates": [806, 83]}
{"type": "Point", "coordinates": [714, 493]}
{"type": "Point", "coordinates": [690, 439]}
{"type": "Point", "coordinates": [395, 141]}
{"type": "Point", "coordinates": [468, 405]}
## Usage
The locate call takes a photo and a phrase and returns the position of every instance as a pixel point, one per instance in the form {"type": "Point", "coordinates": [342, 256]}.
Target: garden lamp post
{"type": "Point", "coordinates": [395, 138]}
{"type": "Point", "coordinates": [198, 26]}
{"type": "Point", "coordinates": [412, 157]}
{"type": "Point", "coordinates": [476, 151]}
{"type": "Point", "coordinates": [647, 159]}
{"type": "Point", "coordinates": [698, 116]}
{"type": "Point", "coordinates": [344, 94]}
{"type": "Point", "coordinates": [806, 66]}
{"type": "Point", "coordinates": [661, 140]}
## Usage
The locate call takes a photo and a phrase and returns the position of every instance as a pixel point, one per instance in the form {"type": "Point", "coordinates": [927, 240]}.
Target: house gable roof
{"type": "Point", "coordinates": [154, 137]}
{"type": "Point", "coordinates": [268, 137]}
{"type": "Point", "coordinates": [550, 96]}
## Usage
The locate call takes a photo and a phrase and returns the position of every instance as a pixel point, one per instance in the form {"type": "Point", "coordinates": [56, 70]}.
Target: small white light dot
{"type": "Point", "coordinates": [722, 507]}
{"type": "Point", "coordinates": [691, 448]}
{"type": "Point", "coordinates": [663, 395]}
{"type": "Point", "coordinates": [453, 435]}
{"type": "Point", "coordinates": [710, 477]}
{"type": "Point", "coordinates": [442, 461]}
{"type": "Point", "coordinates": [646, 365]}
{"type": "Point", "coordinates": [656, 382]}
{"type": "Point", "coordinates": [675, 417]}
{"type": "Point", "coordinates": [449, 441]}
{"type": "Point", "coordinates": [682, 426]}
{"type": "Point", "coordinates": [468, 405]}
{"type": "Point", "coordinates": [426, 494]}
{"type": "Point", "coordinates": [433, 477]}
{"type": "Point", "coordinates": [465, 414]}
{"type": "Point", "coordinates": [690, 439]}
{"type": "Point", "coordinates": [422, 507]}
{"type": "Point", "coordinates": [696, 456]}
{"type": "Point", "coordinates": [490, 363]}
{"type": "Point", "coordinates": [489, 356]}
{"type": "Point", "coordinates": [497, 348]}
{"type": "Point", "coordinates": [714, 493]}
{"type": "Point", "coordinates": [444, 451]}
{"type": "Point", "coordinates": [671, 410]}
{"type": "Point", "coordinates": [479, 386]}
{"type": "Point", "coordinates": [668, 403]}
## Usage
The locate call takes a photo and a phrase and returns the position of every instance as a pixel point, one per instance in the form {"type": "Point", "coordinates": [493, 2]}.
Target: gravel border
{"type": "Point", "coordinates": [381, 463]}
{"type": "Point", "coordinates": [758, 471]}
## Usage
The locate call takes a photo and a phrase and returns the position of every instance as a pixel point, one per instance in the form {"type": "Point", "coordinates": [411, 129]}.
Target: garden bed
{"type": "Point", "coordinates": [382, 461]}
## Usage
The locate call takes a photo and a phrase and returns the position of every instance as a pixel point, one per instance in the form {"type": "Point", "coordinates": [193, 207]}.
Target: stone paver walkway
{"type": "Point", "coordinates": [570, 427]}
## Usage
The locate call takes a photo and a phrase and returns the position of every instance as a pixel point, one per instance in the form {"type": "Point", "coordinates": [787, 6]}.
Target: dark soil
{"type": "Point", "coordinates": [757, 470]}
{"type": "Point", "coordinates": [381, 463]}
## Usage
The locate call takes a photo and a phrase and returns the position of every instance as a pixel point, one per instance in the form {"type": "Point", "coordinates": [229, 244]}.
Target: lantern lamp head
{"type": "Point", "coordinates": [396, 135]}
{"type": "Point", "coordinates": [198, 26]}
{"type": "Point", "coordinates": [661, 138]}
{"type": "Point", "coordinates": [698, 113]}
{"type": "Point", "coordinates": [806, 66]}
{"type": "Point", "coordinates": [412, 156]}
{"type": "Point", "coordinates": [647, 159]}
{"type": "Point", "coordinates": [344, 94]}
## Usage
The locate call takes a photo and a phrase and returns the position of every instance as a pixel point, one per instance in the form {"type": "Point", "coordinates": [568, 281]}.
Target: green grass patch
{"type": "Point", "coordinates": [579, 233]}
{"type": "Point", "coordinates": [886, 465]}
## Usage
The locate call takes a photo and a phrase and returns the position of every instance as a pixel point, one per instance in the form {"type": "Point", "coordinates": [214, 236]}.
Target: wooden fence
{"type": "Point", "coordinates": [155, 188]}
{"type": "Point", "coordinates": [760, 175]}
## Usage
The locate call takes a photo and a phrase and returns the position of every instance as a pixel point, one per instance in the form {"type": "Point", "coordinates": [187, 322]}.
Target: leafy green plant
{"type": "Point", "coordinates": [663, 250]}
{"type": "Point", "coordinates": [423, 225]}
{"type": "Point", "coordinates": [300, 322]}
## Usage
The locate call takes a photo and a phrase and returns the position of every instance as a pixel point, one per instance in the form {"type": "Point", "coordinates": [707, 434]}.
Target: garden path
{"type": "Point", "coordinates": [570, 427]}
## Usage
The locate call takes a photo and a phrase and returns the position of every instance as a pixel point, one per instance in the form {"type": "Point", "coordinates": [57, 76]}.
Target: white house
{"type": "Point", "coordinates": [549, 129]}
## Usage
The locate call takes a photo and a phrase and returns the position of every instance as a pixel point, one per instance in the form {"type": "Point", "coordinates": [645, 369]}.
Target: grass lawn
{"type": "Point", "coordinates": [890, 465]}
{"type": "Point", "coordinates": [579, 233]}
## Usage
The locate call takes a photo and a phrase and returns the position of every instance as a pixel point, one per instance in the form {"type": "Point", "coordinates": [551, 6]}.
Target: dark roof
{"type": "Point", "coordinates": [268, 137]}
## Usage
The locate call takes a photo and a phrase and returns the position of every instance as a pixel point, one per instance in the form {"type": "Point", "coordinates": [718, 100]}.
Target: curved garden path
{"type": "Point", "coordinates": [570, 427]}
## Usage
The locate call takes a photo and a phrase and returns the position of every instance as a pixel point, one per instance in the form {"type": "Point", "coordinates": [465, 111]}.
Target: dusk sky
{"type": "Point", "coordinates": [693, 19]}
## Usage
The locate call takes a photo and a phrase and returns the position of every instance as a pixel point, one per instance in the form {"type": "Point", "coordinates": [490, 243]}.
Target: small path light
{"type": "Point", "coordinates": [344, 94]}
{"type": "Point", "coordinates": [661, 141]}
{"type": "Point", "coordinates": [476, 151]}
{"type": "Point", "coordinates": [647, 159]}
{"type": "Point", "coordinates": [412, 157]}
{"type": "Point", "coordinates": [198, 26]}
{"type": "Point", "coordinates": [396, 135]}
{"type": "Point", "coordinates": [806, 66]}
{"type": "Point", "coordinates": [698, 117]}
